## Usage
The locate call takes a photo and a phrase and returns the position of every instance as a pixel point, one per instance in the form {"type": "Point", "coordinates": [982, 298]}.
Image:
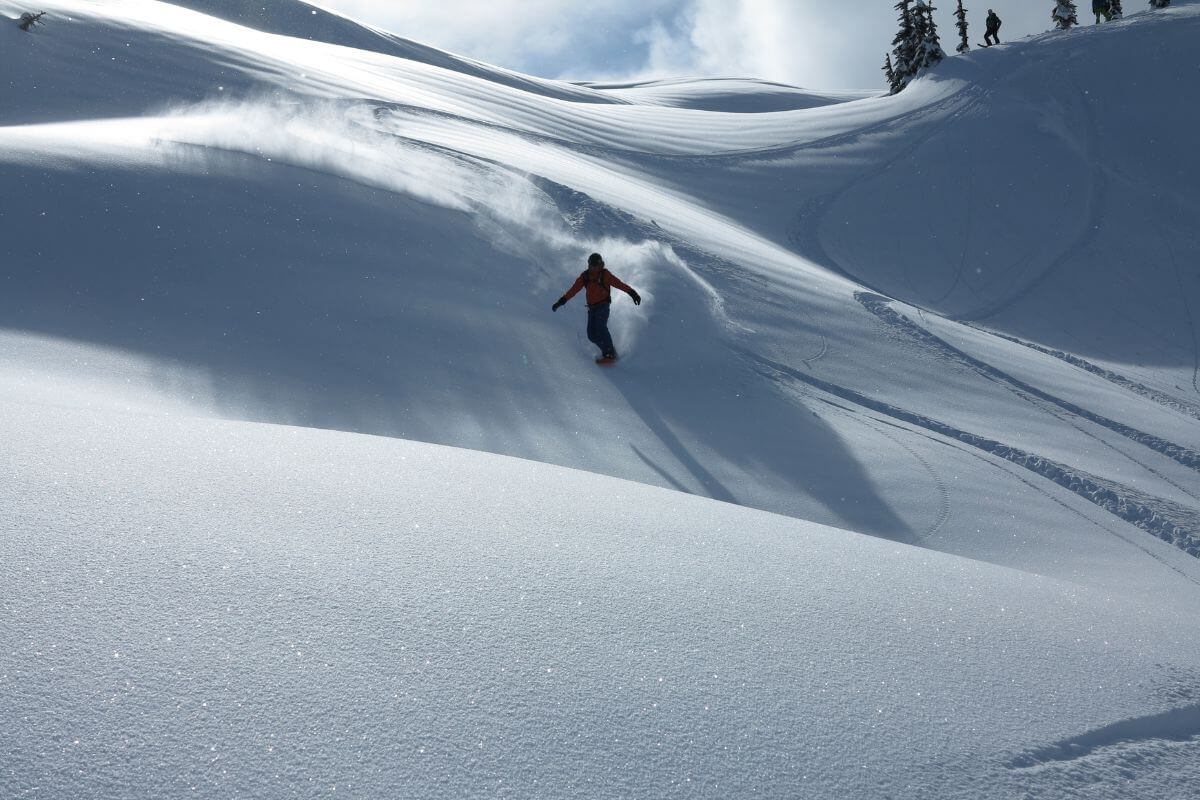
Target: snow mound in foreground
{"type": "Point", "coordinates": [214, 607]}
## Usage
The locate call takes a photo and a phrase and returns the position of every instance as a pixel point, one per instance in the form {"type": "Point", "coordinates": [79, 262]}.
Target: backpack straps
{"type": "Point", "coordinates": [602, 280]}
{"type": "Point", "coordinates": [583, 276]}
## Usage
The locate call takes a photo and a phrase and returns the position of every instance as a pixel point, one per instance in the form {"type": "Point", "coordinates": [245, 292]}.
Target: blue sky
{"type": "Point", "coordinates": [819, 44]}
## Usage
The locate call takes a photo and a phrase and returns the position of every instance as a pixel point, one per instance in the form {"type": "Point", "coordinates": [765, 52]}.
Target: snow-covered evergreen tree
{"type": "Point", "coordinates": [1159, 3]}
{"type": "Point", "coordinates": [918, 38]}
{"type": "Point", "coordinates": [965, 44]}
{"type": "Point", "coordinates": [893, 86]}
{"type": "Point", "coordinates": [1115, 11]}
{"type": "Point", "coordinates": [904, 47]}
{"type": "Point", "coordinates": [916, 45]}
{"type": "Point", "coordinates": [929, 48]}
{"type": "Point", "coordinates": [1064, 14]}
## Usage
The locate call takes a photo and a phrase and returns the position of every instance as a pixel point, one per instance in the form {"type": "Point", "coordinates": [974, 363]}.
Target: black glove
{"type": "Point", "coordinates": [560, 302]}
{"type": "Point", "coordinates": [637, 298]}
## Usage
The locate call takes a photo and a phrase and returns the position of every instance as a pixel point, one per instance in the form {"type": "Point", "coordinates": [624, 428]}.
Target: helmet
{"type": "Point", "coordinates": [595, 259]}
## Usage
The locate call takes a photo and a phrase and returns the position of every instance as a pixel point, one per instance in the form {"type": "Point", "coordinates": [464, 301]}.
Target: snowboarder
{"type": "Point", "coordinates": [598, 282]}
{"type": "Point", "coordinates": [993, 29]}
{"type": "Point", "coordinates": [1101, 9]}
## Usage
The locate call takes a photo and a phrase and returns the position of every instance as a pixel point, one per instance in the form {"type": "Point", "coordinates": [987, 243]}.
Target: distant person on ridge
{"type": "Point", "coordinates": [1101, 9]}
{"type": "Point", "coordinates": [598, 282]}
{"type": "Point", "coordinates": [993, 29]}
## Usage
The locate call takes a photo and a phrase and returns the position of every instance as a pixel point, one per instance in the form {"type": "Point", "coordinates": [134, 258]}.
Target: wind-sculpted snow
{"type": "Point", "coordinates": [307, 222]}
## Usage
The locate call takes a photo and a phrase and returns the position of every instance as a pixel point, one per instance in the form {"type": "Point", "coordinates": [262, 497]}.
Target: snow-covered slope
{"type": "Point", "coordinates": [333, 237]}
{"type": "Point", "coordinates": [319, 611]}
{"type": "Point", "coordinates": [930, 318]}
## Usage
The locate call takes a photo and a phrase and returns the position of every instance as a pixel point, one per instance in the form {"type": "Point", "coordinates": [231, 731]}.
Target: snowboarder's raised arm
{"type": "Point", "coordinates": [574, 290]}
{"type": "Point", "coordinates": [613, 280]}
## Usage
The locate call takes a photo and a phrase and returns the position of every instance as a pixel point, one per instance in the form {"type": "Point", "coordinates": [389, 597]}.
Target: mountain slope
{"type": "Point", "coordinates": [222, 607]}
{"type": "Point", "coordinates": [220, 239]}
{"type": "Point", "coordinates": [344, 239]}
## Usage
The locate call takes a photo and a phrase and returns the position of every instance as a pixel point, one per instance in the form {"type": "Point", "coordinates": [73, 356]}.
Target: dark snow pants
{"type": "Point", "coordinates": [597, 330]}
{"type": "Point", "coordinates": [992, 33]}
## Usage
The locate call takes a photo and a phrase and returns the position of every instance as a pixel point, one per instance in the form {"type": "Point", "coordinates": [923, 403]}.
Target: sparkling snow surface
{"type": "Point", "coordinates": [949, 338]}
{"type": "Point", "coordinates": [228, 608]}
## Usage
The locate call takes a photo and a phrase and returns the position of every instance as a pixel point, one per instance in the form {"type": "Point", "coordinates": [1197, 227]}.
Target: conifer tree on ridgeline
{"type": "Point", "coordinates": [1064, 14]}
{"type": "Point", "coordinates": [964, 44]}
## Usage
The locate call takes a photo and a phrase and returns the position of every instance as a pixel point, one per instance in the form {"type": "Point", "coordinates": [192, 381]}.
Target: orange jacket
{"type": "Point", "coordinates": [598, 290]}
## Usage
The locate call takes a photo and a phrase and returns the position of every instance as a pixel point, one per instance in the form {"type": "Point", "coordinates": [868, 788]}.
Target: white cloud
{"type": "Point", "coordinates": [819, 44]}
{"type": "Point", "coordinates": [774, 39]}
{"type": "Point", "coordinates": [544, 37]}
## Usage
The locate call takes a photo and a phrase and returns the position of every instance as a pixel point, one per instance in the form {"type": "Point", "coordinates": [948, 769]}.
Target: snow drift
{"type": "Point", "coordinates": [960, 320]}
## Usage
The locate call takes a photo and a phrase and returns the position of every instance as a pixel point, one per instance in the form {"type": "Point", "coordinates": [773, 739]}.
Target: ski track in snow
{"type": "Point", "coordinates": [1165, 400]}
{"type": "Point", "coordinates": [1048, 403]}
{"type": "Point", "coordinates": [943, 512]}
{"type": "Point", "coordinates": [880, 307]}
{"type": "Point", "coordinates": [942, 515]}
{"type": "Point", "coordinates": [804, 230]}
{"type": "Point", "coordinates": [1018, 472]}
{"type": "Point", "coordinates": [1015, 470]}
{"type": "Point", "coordinates": [1051, 408]}
{"type": "Point", "coordinates": [1168, 521]}
{"type": "Point", "coordinates": [1096, 194]}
